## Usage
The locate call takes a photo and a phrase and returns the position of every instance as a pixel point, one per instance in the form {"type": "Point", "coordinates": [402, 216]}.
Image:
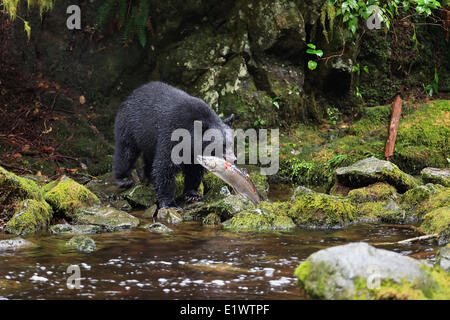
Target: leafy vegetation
{"type": "Point", "coordinates": [131, 16]}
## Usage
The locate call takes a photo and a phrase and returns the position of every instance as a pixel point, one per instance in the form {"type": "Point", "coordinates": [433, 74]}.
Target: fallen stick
{"type": "Point", "coordinates": [406, 241]}
{"type": "Point", "coordinates": [393, 127]}
{"type": "Point", "coordinates": [426, 237]}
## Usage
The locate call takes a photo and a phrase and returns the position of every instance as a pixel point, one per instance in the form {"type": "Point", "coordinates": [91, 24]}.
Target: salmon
{"type": "Point", "coordinates": [237, 178]}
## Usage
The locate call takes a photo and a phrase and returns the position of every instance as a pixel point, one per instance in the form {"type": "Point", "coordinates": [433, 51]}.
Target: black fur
{"type": "Point", "coordinates": [145, 124]}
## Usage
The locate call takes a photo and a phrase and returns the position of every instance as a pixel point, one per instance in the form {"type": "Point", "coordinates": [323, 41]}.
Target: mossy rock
{"type": "Point", "coordinates": [360, 271]}
{"type": "Point", "coordinates": [66, 196]}
{"type": "Point", "coordinates": [14, 188]}
{"type": "Point", "coordinates": [213, 187]}
{"type": "Point", "coordinates": [170, 215]}
{"type": "Point", "coordinates": [74, 229]}
{"type": "Point", "coordinates": [412, 199]}
{"type": "Point", "coordinates": [387, 211]}
{"type": "Point", "coordinates": [30, 216]}
{"type": "Point", "coordinates": [157, 227]}
{"type": "Point", "coordinates": [438, 221]}
{"type": "Point", "coordinates": [140, 196]}
{"type": "Point", "coordinates": [109, 219]}
{"type": "Point", "coordinates": [260, 220]}
{"type": "Point", "coordinates": [319, 210]}
{"type": "Point", "coordinates": [82, 243]}
{"type": "Point", "coordinates": [376, 192]}
{"type": "Point", "coordinates": [436, 175]}
{"type": "Point", "coordinates": [211, 219]}
{"type": "Point", "coordinates": [105, 189]}
{"type": "Point", "coordinates": [438, 199]}
{"type": "Point", "coordinates": [225, 208]}
{"type": "Point", "coordinates": [373, 170]}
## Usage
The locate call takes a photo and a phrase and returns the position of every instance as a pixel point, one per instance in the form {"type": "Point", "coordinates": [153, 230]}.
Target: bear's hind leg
{"type": "Point", "coordinates": [124, 157]}
{"type": "Point", "coordinates": [193, 175]}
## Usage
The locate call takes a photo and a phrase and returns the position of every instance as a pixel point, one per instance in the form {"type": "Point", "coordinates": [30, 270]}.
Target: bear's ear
{"type": "Point", "coordinates": [229, 121]}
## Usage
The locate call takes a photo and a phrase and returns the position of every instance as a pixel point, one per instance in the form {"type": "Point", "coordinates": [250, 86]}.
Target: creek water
{"type": "Point", "coordinates": [197, 262]}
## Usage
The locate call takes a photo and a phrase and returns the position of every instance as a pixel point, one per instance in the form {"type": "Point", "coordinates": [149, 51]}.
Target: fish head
{"type": "Point", "coordinates": [210, 163]}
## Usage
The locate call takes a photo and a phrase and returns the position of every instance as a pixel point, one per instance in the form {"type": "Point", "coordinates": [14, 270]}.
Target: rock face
{"type": "Point", "coordinates": [66, 196]}
{"type": "Point", "coordinates": [360, 271]}
{"type": "Point", "coordinates": [14, 244]}
{"type": "Point", "coordinates": [109, 219]}
{"type": "Point", "coordinates": [436, 175]}
{"type": "Point", "coordinates": [373, 170]}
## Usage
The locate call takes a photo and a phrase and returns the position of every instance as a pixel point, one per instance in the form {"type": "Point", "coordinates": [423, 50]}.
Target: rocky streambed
{"type": "Point", "coordinates": [224, 246]}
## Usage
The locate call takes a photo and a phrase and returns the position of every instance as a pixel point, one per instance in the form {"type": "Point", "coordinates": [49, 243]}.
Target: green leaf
{"type": "Point", "coordinates": [27, 28]}
{"type": "Point", "coordinates": [312, 65]}
{"type": "Point", "coordinates": [312, 46]}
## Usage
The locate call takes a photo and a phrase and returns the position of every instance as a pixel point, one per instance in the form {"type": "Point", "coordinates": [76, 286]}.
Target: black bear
{"type": "Point", "coordinates": [144, 125]}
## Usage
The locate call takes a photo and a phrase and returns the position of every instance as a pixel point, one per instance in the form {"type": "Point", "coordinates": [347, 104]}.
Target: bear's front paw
{"type": "Point", "coordinates": [191, 196]}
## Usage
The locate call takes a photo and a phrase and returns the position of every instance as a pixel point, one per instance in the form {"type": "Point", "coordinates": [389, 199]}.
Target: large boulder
{"type": "Point", "coordinates": [109, 219]}
{"type": "Point", "coordinates": [66, 196]}
{"type": "Point", "coordinates": [373, 170]}
{"type": "Point", "coordinates": [318, 210]}
{"type": "Point", "coordinates": [436, 175]}
{"type": "Point", "coordinates": [14, 188]}
{"type": "Point", "coordinates": [360, 271]}
{"type": "Point", "coordinates": [30, 216]}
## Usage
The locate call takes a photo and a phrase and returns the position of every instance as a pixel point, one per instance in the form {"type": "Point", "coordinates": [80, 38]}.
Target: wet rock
{"type": "Point", "coordinates": [373, 170]}
{"type": "Point", "coordinates": [360, 271]}
{"type": "Point", "coordinates": [14, 244]}
{"type": "Point", "coordinates": [170, 215]}
{"type": "Point", "coordinates": [109, 219]}
{"type": "Point", "coordinates": [40, 180]}
{"type": "Point", "coordinates": [30, 216]}
{"type": "Point", "coordinates": [140, 196]}
{"type": "Point", "coordinates": [150, 212]}
{"type": "Point", "coordinates": [443, 258]}
{"type": "Point", "coordinates": [318, 210]}
{"type": "Point", "coordinates": [225, 208]}
{"type": "Point", "coordinates": [211, 219]}
{"type": "Point", "coordinates": [301, 191]}
{"type": "Point", "coordinates": [105, 189]}
{"type": "Point", "coordinates": [122, 205]}
{"type": "Point", "coordinates": [82, 243]}
{"type": "Point", "coordinates": [74, 229]}
{"type": "Point", "coordinates": [66, 196]}
{"type": "Point", "coordinates": [158, 227]}
{"type": "Point", "coordinates": [436, 175]}
{"type": "Point", "coordinates": [259, 220]}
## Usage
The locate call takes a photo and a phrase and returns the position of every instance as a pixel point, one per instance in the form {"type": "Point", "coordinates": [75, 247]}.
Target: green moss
{"type": "Point", "coordinates": [441, 198]}
{"type": "Point", "coordinates": [412, 199]}
{"type": "Point", "coordinates": [380, 211]}
{"type": "Point", "coordinates": [321, 210]}
{"type": "Point", "coordinates": [66, 195]}
{"type": "Point", "coordinates": [438, 221]}
{"type": "Point", "coordinates": [212, 219]}
{"type": "Point", "coordinates": [14, 188]}
{"type": "Point", "coordinates": [302, 271]}
{"type": "Point", "coordinates": [375, 192]}
{"type": "Point", "coordinates": [259, 220]}
{"type": "Point", "coordinates": [31, 215]}
{"type": "Point", "coordinates": [212, 187]}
